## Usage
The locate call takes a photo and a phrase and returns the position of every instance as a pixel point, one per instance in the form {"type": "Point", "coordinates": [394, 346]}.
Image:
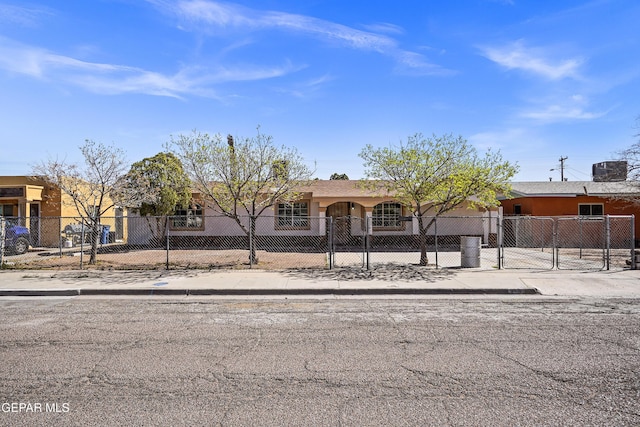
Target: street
{"type": "Point", "coordinates": [349, 362]}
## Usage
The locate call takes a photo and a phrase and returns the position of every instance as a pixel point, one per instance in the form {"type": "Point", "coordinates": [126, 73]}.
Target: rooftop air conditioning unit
{"type": "Point", "coordinates": [610, 171]}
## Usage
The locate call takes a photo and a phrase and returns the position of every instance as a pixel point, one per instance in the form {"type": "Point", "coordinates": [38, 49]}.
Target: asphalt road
{"type": "Point", "coordinates": [200, 361]}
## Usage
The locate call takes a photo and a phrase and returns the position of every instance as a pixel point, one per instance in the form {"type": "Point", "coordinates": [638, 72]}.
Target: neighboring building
{"type": "Point", "coordinates": [45, 210]}
{"type": "Point", "coordinates": [572, 198]}
{"type": "Point", "coordinates": [556, 198]}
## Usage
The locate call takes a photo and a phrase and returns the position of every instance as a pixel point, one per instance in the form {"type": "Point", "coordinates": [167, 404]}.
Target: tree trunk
{"type": "Point", "coordinates": [94, 239]}
{"type": "Point", "coordinates": [424, 260]}
{"type": "Point", "coordinates": [253, 257]}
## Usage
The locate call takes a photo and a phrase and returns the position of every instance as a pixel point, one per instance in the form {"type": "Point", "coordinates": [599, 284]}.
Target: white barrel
{"type": "Point", "coordinates": [470, 251]}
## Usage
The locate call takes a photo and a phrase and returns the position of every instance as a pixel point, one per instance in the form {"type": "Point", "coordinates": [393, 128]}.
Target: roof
{"type": "Point", "coordinates": [573, 188]}
{"type": "Point", "coordinates": [339, 188]}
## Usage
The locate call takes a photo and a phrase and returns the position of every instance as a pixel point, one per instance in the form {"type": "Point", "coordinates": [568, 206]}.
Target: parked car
{"type": "Point", "coordinates": [17, 239]}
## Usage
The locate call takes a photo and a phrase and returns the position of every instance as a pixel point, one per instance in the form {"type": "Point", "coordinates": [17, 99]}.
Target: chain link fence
{"type": "Point", "coordinates": [441, 243]}
{"type": "Point", "coordinates": [527, 242]}
{"type": "Point", "coordinates": [268, 242]}
{"type": "Point", "coordinates": [567, 243]}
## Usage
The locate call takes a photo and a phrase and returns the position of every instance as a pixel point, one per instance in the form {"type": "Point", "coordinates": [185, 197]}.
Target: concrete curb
{"type": "Point", "coordinates": [39, 292]}
{"type": "Point", "coordinates": [266, 292]}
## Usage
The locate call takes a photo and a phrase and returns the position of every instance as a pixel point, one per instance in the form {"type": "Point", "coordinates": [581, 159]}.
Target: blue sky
{"type": "Point", "coordinates": [536, 80]}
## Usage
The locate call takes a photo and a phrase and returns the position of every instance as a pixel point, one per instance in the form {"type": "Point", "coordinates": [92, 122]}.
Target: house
{"type": "Point", "coordinates": [45, 210]}
{"type": "Point", "coordinates": [349, 206]}
{"type": "Point", "coordinates": [573, 198]}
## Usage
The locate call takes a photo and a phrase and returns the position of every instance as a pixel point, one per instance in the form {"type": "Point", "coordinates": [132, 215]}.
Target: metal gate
{"type": "Point", "coordinates": [348, 237]}
{"type": "Point", "coordinates": [581, 243]}
{"type": "Point", "coordinates": [527, 242]}
{"type": "Point", "coordinates": [567, 243]}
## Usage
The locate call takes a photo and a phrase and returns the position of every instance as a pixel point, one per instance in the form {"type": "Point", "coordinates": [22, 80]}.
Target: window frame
{"type": "Point", "coordinates": [591, 206]}
{"type": "Point", "coordinates": [287, 219]}
{"type": "Point", "coordinates": [387, 221]}
{"type": "Point", "coordinates": [191, 213]}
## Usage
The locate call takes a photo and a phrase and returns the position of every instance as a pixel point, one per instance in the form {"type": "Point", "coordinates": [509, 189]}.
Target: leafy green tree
{"type": "Point", "coordinates": [241, 177]}
{"type": "Point", "coordinates": [432, 176]}
{"type": "Point", "coordinates": [339, 176]}
{"type": "Point", "coordinates": [166, 185]}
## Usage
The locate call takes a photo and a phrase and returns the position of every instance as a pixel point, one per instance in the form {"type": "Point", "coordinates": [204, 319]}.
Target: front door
{"type": "Point", "coordinates": [34, 224]}
{"type": "Point", "coordinates": [119, 223]}
{"type": "Point", "coordinates": [341, 222]}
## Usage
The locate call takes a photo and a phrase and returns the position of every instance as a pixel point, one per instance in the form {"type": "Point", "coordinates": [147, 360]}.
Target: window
{"type": "Point", "coordinates": [591, 209]}
{"type": "Point", "coordinates": [517, 209]}
{"type": "Point", "coordinates": [387, 215]}
{"type": "Point", "coordinates": [192, 217]}
{"type": "Point", "coordinates": [293, 215]}
{"type": "Point", "coordinates": [12, 192]}
{"type": "Point", "coordinates": [6, 210]}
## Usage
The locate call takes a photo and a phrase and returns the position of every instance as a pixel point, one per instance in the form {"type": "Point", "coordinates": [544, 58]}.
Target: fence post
{"type": "Point", "coordinates": [633, 242]}
{"type": "Point", "coordinates": [3, 229]}
{"type": "Point", "coordinates": [607, 224]}
{"type": "Point", "coordinates": [499, 236]}
{"type": "Point", "coordinates": [250, 243]}
{"type": "Point", "coordinates": [81, 242]}
{"type": "Point", "coordinates": [166, 226]}
{"type": "Point", "coordinates": [330, 242]}
{"type": "Point", "coordinates": [435, 235]}
{"type": "Point", "coordinates": [60, 232]}
{"type": "Point", "coordinates": [555, 259]}
{"type": "Point", "coordinates": [369, 220]}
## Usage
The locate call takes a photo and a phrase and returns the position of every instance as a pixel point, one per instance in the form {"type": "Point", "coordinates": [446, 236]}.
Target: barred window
{"type": "Point", "coordinates": [293, 215]}
{"type": "Point", "coordinates": [192, 217]}
{"type": "Point", "coordinates": [387, 215]}
{"type": "Point", "coordinates": [596, 209]}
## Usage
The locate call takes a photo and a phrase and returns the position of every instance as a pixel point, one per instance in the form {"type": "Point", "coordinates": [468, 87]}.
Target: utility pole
{"type": "Point", "coordinates": [562, 159]}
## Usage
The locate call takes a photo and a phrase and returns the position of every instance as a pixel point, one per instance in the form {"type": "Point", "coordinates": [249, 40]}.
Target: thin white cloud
{"type": "Point", "coordinates": [505, 2]}
{"type": "Point", "coordinates": [118, 79]}
{"type": "Point", "coordinates": [416, 64]}
{"type": "Point", "coordinates": [557, 113]}
{"type": "Point", "coordinates": [384, 27]}
{"type": "Point", "coordinates": [574, 107]}
{"type": "Point", "coordinates": [227, 16]}
{"type": "Point", "coordinates": [24, 16]}
{"type": "Point", "coordinates": [307, 88]}
{"type": "Point", "coordinates": [500, 139]}
{"type": "Point", "coordinates": [517, 56]}
{"type": "Point", "coordinates": [214, 17]}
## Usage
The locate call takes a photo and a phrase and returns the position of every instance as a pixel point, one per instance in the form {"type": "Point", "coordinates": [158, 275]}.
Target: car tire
{"type": "Point", "coordinates": [20, 246]}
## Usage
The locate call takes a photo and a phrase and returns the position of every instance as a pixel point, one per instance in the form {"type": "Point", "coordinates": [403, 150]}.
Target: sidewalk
{"type": "Point", "coordinates": [389, 281]}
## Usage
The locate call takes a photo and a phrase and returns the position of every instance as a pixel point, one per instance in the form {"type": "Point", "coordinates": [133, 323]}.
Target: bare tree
{"type": "Point", "coordinates": [241, 176]}
{"type": "Point", "coordinates": [632, 156]}
{"type": "Point", "coordinates": [92, 188]}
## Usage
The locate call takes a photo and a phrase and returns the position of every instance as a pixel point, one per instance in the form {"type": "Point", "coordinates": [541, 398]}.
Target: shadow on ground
{"type": "Point", "coordinates": [111, 276]}
{"type": "Point", "coordinates": [386, 272]}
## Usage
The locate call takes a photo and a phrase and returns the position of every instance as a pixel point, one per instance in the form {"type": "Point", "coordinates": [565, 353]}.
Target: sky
{"type": "Point", "coordinates": [536, 80]}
